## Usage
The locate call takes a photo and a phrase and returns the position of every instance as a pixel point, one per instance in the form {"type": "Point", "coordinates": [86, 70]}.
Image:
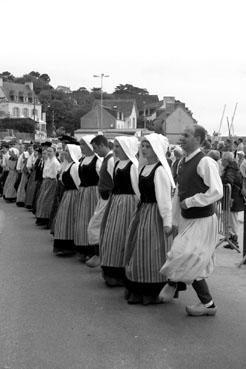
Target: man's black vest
{"type": "Point", "coordinates": [190, 183]}
{"type": "Point", "coordinates": [105, 184]}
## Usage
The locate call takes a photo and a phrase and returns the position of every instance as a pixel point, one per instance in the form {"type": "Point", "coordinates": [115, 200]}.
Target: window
{"type": "Point", "coordinates": [134, 122]}
{"type": "Point", "coordinates": [12, 96]}
{"type": "Point", "coordinates": [35, 113]}
{"type": "Point", "coordinates": [21, 97]}
{"type": "Point", "coordinates": [26, 112]}
{"type": "Point", "coordinates": [16, 112]}
{"type": "Point", "coordinates": [30, 98]}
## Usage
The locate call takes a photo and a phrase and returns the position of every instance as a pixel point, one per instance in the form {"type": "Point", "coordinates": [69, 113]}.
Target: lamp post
{"type": "Point", "coordinates": [101, 76]}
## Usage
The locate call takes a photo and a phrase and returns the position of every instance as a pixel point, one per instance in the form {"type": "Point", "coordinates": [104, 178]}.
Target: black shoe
{"type": "Point", "coordinates": [134, 299]}
{"type": "Point", "coordinates": [151, 300]}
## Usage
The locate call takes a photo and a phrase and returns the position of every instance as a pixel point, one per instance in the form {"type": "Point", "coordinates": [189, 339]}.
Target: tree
{"type": "Point", "coordinates": [45, 77]}
{"type": "Point", "coordinates": [7, 76]}
{"type": "Point", "coordinates": [34, 74]}
{"type": "Point", "coordinates": [130, 90]}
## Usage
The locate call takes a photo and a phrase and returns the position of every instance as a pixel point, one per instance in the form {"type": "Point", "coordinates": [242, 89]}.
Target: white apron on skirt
{"type": "Point", "coordinates": [192, 254]}
{"type": "Point", "coordinates": [146, 246]}
{"type": "Point", "coordinates": [87, 198]}
{"type": "Point", "coordinates": [65, 216]}
{"type": "Point", "coordinates": [95, 222]}
{"type": "Point", "coordinates": [114, 229]}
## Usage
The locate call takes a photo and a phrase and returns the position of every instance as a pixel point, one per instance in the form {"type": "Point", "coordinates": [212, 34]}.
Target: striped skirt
{"type": "Point", "coordinates": [114, 229]}
{"type": "Point", "coordinates": [9, 191]}
{"type": "Point", "coordinates": [57, 200]}
{"type": "Point", "coordinates": [21, 192]}
{"type": "Point", "coordinates": [65, 216]}
{"type": "Point", "coordinates": [146, 246]}
{"type": "Point", "coordinates": [30, 190]}
{"type": "Point", "coordinates": [46, 198]}
{"type": "Point", "coordinates": [87, 198]}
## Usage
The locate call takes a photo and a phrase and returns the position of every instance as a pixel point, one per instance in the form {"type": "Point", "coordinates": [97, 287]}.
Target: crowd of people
{"type": "Point", "coordinates": [145, 215]}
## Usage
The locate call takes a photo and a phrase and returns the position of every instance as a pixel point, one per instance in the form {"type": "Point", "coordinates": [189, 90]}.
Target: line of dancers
{"type": "Point", "coordinates": [116, 210]}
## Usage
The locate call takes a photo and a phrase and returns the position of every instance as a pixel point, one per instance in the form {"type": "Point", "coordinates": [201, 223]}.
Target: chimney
{"type": "Point", "coordinates": [30, 85]}
{"type": "Point", "coordinates": [1, 82]}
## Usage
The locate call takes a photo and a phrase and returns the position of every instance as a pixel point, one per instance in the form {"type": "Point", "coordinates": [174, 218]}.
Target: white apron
{"type": "Point", "coordinates": [192, 253]}
{"type": "Point", "coordinates": [95, 222]}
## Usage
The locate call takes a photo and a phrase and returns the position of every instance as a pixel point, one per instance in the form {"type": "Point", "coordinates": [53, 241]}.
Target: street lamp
{"type": "Point", "coordinates": [101, 76]}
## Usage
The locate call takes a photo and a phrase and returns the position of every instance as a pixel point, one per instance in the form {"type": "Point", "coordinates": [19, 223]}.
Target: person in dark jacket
{"type": "Point", "coordinates": [231, 175]}
{"type": "Point", "coordinates": [178, 153]}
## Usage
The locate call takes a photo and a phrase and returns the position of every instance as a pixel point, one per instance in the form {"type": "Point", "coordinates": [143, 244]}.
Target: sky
{"type": "Point", "coordinates": [192, 50]}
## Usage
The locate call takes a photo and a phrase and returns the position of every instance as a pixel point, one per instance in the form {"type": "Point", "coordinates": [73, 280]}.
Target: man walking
{"type": "Point", "coordinates": [191, 258]}
{"type": "Point", "coordinates": [101, 148]}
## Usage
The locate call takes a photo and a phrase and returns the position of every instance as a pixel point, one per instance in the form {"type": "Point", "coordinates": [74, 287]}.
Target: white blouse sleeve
{"type": "Point", "coordinates": [243, 168]}
{"type": "Point", "coordinates": [110, 166]}
{"type": "Point", "coordinates": [74, 171]}
{"type": "Point", "coordinates": [134, 180]}
{"type": "Point", "coordinates": [163, 195]}
{"type": "Point", "coordinates": [98, 165]}
{"type": "Point", "coordinates": [208, 171]}
{"type": "Point", "coordinates": [176, 208]}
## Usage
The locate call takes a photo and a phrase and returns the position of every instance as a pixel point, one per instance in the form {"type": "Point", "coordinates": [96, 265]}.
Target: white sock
{"type": "Point", "coordinates": [209, 304]}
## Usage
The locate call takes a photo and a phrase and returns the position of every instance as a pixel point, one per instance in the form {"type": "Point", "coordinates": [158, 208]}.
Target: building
{"type": "Point", "coordinates": [19, 101]}
{"type": "Point", "coordinates": [171, 114]}
{"type": "Point", "coordinates": [114, 114]}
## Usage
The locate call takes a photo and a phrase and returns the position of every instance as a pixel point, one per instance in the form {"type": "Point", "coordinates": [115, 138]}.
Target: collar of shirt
{"type": "Point", "coordinates": [189, 157]}
{"type": "Point", "coordinates": [110, 152]}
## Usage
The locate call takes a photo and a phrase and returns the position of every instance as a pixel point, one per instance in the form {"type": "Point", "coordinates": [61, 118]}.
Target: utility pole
{"type": "Point", "coordinates": [232, 119]}
{"type": "Point", "coordinates": [101, 76]}
{"type": "Point", "coordinates": [222, 117]}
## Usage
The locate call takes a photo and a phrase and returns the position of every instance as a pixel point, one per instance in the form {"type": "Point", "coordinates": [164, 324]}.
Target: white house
{"type": "Point", "coordinates": [19, 101]}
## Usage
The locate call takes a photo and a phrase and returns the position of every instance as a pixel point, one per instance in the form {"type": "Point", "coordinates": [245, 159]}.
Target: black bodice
{"type": "Point", "coordinates": [67, 180]}
{"type": "Point", "coordinates": [88, 174]}
{"type": "Point", "coordinates": [122, 180]}
{"type": "Point", "coordinates": [147, 185]}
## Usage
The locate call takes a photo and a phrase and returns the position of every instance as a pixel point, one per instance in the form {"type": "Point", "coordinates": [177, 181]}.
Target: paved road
{"type": "Point", "coordinates": [57, 314]}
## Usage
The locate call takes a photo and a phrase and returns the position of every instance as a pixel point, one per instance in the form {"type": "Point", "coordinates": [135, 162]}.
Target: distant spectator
{"type": "Point", "coordinates": [240, 146]}
{"type": "Point", "coordinates": [178, 153]}
{"type": "Point", "coordinates": [240, 157]}
{"type": "Point", "coordinates": [169, 160]}
{"type": "Point", "coordinates": [228, 145]}
{"type": "Point", "coordinates": [232, 176]}
{"type": "Point", "coordinates": [215, 154]}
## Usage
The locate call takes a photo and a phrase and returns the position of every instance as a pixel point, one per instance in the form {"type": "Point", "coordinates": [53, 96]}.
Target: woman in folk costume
{"type": "Point", "coordinates": [48, 188]}
{"type": "Point", "coordinates": [65, 217]}
{"type": "Point", "coordinates": [9, 191]}
{"type": "Point", "coordinates": [87, 197]}
{"type": "Point", "coordinates": [121, 206]}
{"type": "Point", "coordinates": [59, 190]}
{"type": "Point", "coordinates": [31, 185]}
{"type": "Point", "coordinates": [21, 193]}
{"type": "Point", "coordinates": [147, 240]}
{"type": "Point", "coordinates": [38, 168]}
